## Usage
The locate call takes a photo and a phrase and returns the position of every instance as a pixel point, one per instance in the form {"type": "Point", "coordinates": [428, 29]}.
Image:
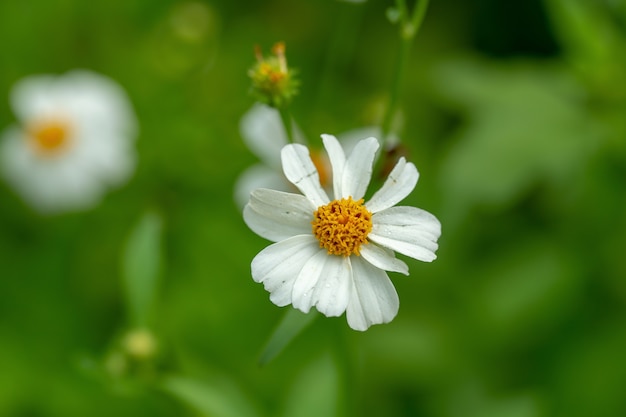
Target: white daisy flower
{"type": "Point", "coordinates": [75, 139]}
{"type": "Point", "coordinates": [333, 254]}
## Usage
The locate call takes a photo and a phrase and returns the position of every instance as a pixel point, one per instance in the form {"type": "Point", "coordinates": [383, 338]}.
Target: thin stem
{"type": "Point", "coordinates": [285, 117]}
{"type": "Point", "coordinates": [408, 30]}
{"type": "Point", "coordinates": [396, 83]}
{"type": "Point", "coordinates": [341, 48]}
{"type": "Point", "coordinates": [402, 10]}
{"type": "Point", "coordinates": [418, 15]}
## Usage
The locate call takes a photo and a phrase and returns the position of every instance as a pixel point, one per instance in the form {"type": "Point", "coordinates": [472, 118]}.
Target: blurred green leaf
{"type": "Point", "coordinates": [316, 391]}
{"type": "Point", "coordinates": [590, 373]}
{"type": "Point", "coordinates": [524, 292]}
{"type": "Point", "coordinates": [219, 397]}
{"type": "Point", "coordinates": [585, 28]}
{"type": "Point", "coordinates": [473, 399]}
{"type": "Point", "coordinates": [525, 124]}
{"type": "Point", "coordinates": [291, 325]}
{"type": "Point", "coordinates": [140, 268]}
{"type": "Point", "coordinates": [594, 41]}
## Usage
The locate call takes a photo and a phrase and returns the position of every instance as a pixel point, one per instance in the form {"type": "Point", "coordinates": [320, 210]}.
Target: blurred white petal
{"type": "Point", "coordinates": [264, 134]}
{"type": "Point", "coordinates": [259, 176]}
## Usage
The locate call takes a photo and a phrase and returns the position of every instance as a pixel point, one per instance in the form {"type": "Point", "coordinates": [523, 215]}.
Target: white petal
{"type": "Point", "coordinates": [33, 96]}
{"type": "Point", "coordinates": [258, 176]}
{"type": "Point", "coordinates": [358, 169]}
{"type": "Point", "coordinates": [333, 289]}
{"type": "Point", "coordinates": [263, 132]}
{"type": "Point", "coordinates": [96, 101]}
{"type": "Point", "coordinates": [373, 299]}
{"type": "Point", "coordinates": [50, 184]}
{"type": "Point", "coordinates": [278, 266]}
{"type": "Point", "coordinates": [324, 282]}
{"type": "Point", "coordinates": [398, 185]}
{"type": "Point", "coordinates": [299, 169]}
{"type": "Point", "coordinates": [276, 215]}
{"type": "Point", "coordinates": [106, 155]}
{"type": "Point", "coordinates": [408, 230]}
{"type": "Point", "coordinates": [337, 161]}
{"type": "Point", "coordinates": [383, 258]}
{"type": "Point", "coordinates": [81, 96]}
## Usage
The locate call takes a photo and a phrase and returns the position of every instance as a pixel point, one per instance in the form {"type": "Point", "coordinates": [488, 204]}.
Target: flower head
{"type": "Point", "coordinates": [333, 254]}
{"type": "Point", "coordinates": [74, 140]}
{"type": "Point", "coordinates": [273, 82]}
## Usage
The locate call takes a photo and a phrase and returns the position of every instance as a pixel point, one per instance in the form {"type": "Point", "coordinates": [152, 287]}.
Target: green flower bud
{"type": "Point", "coordinates": [273, 83]}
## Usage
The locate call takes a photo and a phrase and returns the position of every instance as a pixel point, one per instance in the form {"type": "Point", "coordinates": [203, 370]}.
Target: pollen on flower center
{"type": "Point", "coordinates": [49, 136]}
{"type": "Point", "coordinates": [342, 226]}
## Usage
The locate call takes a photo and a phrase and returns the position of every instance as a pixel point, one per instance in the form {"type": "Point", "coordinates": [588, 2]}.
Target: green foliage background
{"type": "Point", "coordinates": [513, 113]}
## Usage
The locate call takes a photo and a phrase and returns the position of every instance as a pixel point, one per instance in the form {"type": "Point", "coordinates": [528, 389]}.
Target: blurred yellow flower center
{"type": "Point", "coordinates": [342, 226]}
{"type": "Point", "coordinates": [49, 136]}
{"type": "Point", "coordinates": [321, 166]}
{"type": "Point", "coordinates": [273, 75]}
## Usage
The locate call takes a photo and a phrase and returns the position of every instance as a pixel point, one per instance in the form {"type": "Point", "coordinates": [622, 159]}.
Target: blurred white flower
{"type": "Point", "coordinates": [75, 139]}
{"type": "Point", "coordinates": [263, 133]}
{"type": "Point", "coordinates": [333, 254]}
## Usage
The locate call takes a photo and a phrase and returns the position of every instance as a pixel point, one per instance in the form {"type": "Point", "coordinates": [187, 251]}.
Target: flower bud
{"type": "Point", "coordinates": [273, 83]}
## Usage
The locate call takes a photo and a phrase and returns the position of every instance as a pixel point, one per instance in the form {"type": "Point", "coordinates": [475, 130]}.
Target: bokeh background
{"type": "Point", "coordinates": [514, 113]}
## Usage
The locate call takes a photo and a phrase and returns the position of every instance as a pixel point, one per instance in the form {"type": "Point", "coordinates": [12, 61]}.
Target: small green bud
{"type": "Point", "coordinates": [272, 81]}
{"type": "Point", "coordinates": [140, 344]}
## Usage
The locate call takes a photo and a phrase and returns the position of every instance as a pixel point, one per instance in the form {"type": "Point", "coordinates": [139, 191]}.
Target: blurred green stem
{"type": "Point", "coordinates": [408, 30]}
{"type": "Point", "coordinates": [341, 48]}
{"type": "Point", "coordinates": [286, 119]}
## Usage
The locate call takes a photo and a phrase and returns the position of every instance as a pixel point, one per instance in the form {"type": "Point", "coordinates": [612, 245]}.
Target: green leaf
{"type": "Point", "coordinates": [291, 325]}
{"type": "Point", "coordinates": [140, 268]}
{"type": "Point", "coordinates": [316, 391]}
{"type": "Point", "coordinates": [218, 397]}
{"type": "Point", "coordinates": [525, 125]}
{"type": "Point", "coordinates": [524, 292]}
{"type": "Point", "coordinates": [472, 398]}
{"type": "Point", "coordinates": [586, 29]}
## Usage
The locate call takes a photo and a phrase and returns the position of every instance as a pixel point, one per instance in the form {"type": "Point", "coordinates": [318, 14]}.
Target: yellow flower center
{"type": "Point", "coordinates": [342, 226]}
{"type": "Point", "coordinates": [49, 136]}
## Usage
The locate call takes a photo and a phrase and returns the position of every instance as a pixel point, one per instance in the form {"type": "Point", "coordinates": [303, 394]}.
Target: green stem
{"type": "Point", "coordinates": [396, 83]}
{"type": "Point", "coordinates": [418, 16]}
{"type": "Point", "coordinates": [402, 10]}
{"type": "Point", "coordinates": [408, 30]}
{"type": "Point", "coordinates": [341, 48]}
{"type": "Point", "coordinates": [285, 117]}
